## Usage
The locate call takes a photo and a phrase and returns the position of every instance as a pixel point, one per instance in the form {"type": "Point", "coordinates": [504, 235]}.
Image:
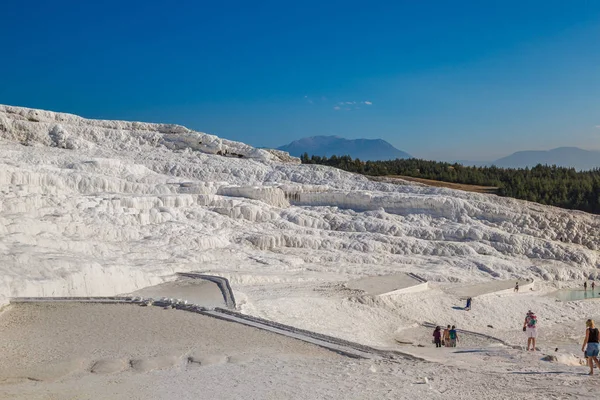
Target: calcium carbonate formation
{"type": "Point", "coordinates": [90, 207]}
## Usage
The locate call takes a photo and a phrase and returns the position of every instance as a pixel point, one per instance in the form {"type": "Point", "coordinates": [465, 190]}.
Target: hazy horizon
{"type": "Point", "coordinates": [442, 81]}
{"type": "Point", "coordinates": [463, 159]}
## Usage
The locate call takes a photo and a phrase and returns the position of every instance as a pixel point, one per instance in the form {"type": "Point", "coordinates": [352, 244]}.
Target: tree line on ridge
{"type": "Point", "coordinates": [544, 184]}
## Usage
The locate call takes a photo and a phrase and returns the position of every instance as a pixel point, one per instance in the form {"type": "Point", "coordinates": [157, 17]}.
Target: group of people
{"type": "Point", "coordinates": [449, 336]}
{"type": "Point", "coordinates": [585, 285]}
{"type": "Point", "coordinates": [591, 344]}
{"type": "Point", "coordinates": [446, 338]}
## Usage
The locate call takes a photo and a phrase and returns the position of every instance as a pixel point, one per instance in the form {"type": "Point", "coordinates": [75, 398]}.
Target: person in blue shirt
{"type": "Point", "coordinates": [453, 336]}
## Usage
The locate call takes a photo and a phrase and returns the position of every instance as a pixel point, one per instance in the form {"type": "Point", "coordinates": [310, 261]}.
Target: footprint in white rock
{"type": "Point", "coordinates": [240, 359]}
{"type": "Point", "coordinates": [154, 363]}
{"type": "Point", "coordinates": [109, 366]}
{"type": "Point", "coordinates": [207, 359]}
{"type": "Point", "coordinates": [55, 371]}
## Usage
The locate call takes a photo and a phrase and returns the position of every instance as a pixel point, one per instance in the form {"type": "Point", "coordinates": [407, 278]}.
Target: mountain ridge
{"type": "Point", "coordinates": [566, 156]}
{"type": "Point", "coordinates": [364, 149]}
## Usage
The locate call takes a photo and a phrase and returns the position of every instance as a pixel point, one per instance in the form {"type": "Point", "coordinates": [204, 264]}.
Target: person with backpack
{"type": "Point", "coordinates": [453, 336]}
{"type": "Point", "coordinates": [591, 347]}
{"type": "Point", "coordinates": [530, 328]}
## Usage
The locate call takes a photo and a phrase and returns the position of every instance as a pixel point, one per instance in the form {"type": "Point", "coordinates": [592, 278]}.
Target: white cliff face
{"type": "Point", "coordinates": [103, 207]}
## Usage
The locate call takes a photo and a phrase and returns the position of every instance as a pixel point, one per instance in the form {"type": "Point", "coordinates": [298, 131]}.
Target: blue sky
{"type": "Point", "coordinates": [471, 80]}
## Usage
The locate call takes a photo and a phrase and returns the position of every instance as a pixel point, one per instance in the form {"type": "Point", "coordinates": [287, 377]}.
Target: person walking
{"type": "Point", "coordinates": [517, 287]}
{"type": "Point", "coordinates": [446, 338]}
{"type": "Point", "coordinates": [590, 346]}
{"type": "Point", "coordinates": [437, 337]}
{"type": "Point", "coordinates": [469, 301]}
{"type": "Point", "coordinates": [585, 285]}
{"type": "Point", "coordinates": [453, 336]}
{"type": "Point", "coordinates": [530, 328]}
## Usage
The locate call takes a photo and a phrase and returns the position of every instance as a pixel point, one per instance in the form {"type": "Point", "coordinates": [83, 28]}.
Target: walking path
{"type": "Point", "coordinates": [221, 282]}
{"type": "Point", "coordinates": [199, 291]}
{"type": "Point", "coordinates": [378, 285]}
{"type": "Point", "coordinates": [477, 334]}
{"type": "Point", "coordinates": [479, 289]}
{"type": "Point", "coordinates": [344, 347]}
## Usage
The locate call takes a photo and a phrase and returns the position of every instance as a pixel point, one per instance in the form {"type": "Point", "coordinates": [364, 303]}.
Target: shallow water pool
{"type": "Point", "coordinates": [577, 294]}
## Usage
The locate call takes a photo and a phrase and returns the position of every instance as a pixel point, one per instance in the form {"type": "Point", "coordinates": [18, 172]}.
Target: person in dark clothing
{"type": "Point", "coordinates": [468, 307]}
{"type": "Point", "coordinates": [437, 336]}
{"type": "Point", "coordinates": [590, 346]}
{"type": "Point", "coordinates": [585, 285]}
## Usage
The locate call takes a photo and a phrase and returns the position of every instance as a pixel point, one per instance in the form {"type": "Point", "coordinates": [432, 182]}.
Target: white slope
{"type": "Point", "coordinates": [121, 352]}
{"type": "Point", "coordinates": [91, 207]}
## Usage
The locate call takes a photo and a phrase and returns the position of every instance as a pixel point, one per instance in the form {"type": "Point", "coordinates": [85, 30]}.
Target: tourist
{"type": "Point", "coordinates": [593, 285]}
{"type": "Point", "coordinates": [446, 339]}
{"type": "Point", "coordinates": [437, 337]}
{"type": "Point", "coordinates": [530, 328]}
{"type": "Point", "coordinates": [517, 287]}
{"type": "Point", "coordinates": [453, 336]}
{"type": "Point", "coordinates": [469, 301]}
{"type": "Point", "coordinates": [585, 285]}
{"type": "Point", "coordinates": [590, 345]}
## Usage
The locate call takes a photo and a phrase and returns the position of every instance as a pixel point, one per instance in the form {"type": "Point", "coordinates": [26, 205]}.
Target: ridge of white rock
{"type": "Point", "coordinates": [67, 131]}
{"type": "Point", "coordinates": [91, 207]}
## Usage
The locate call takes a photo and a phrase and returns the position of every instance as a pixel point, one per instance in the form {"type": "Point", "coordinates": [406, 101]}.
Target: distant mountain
{"type": "Point", "coordinates": [563, 156]}
{"type": "Point", "coordinates": [365, 149]}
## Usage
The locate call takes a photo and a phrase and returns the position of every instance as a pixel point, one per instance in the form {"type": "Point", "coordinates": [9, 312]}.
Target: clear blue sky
{"type": "Point", "coordinates": [447, 79]}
